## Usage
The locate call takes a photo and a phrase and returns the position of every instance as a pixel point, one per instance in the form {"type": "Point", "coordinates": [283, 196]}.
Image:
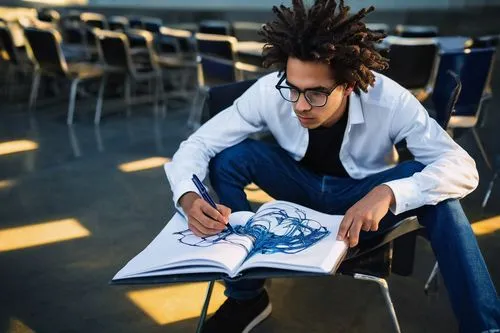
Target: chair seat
{"type": "Point", "coordinates": [113, 69]}
{"type": "Point", "coordinates": [175, 62]}
{"type": "Point", "coordinates": [83, 70]}
{"type": "Point", "coordinates": [374, 256]}
{"type": "Point", "coordinates": [462, 122]}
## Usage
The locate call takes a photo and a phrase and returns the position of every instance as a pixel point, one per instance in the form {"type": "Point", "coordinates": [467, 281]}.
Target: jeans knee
{"type": "Point", "coordinates": [228, 155]}
{"type": "Point", "coordinates": [231, 157]}
{"type": "Point", "coordinates": [444, 213]}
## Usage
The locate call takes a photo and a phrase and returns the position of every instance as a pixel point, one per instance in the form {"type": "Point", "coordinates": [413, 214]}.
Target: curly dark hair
{"type": "Point", "coordinates": [321, 34]}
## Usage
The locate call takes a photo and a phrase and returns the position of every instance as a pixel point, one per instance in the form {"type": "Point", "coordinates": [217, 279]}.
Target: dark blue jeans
{"type": "Point", "coordinates": [471, 291]}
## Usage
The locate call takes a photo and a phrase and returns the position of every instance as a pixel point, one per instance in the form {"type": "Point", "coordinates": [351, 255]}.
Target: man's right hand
{"type": "Point", "coordinates": [203, 219]}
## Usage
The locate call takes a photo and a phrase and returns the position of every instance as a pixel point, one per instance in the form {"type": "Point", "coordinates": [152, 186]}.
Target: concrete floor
{"type": "Point", "coordinates": [63, 286]}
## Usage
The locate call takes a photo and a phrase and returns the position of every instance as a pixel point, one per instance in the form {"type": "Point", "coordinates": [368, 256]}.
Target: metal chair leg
{"type": "Point", "coordinates": [35, 84]}
{"type": "Point", "coordinates": [384, 288]}
{"type": "Point", "coordinates": [481, 148]}
{"type": "Point", "coordinates": [163, 97]}
{"type": "Point", "coordinates": [100, 97]}
{"type": "Point", "coordinates": [432, 281]}
{"type": "Point", "coordinates": [127, 94]}
{"type": "Point", "coordinates": [204, 310]}
{"type": "Point", "coordinates": [98, 138]}
{"type": "Point", "coordinates": [72, 100]}
{"type": "Point", "coordinates": [490, 189]}
{"type": "Point", "coordinates": [75, 146]}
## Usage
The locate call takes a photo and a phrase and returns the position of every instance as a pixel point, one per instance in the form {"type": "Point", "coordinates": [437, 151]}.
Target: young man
{"type": "Point", "coordinates": [336, 122]}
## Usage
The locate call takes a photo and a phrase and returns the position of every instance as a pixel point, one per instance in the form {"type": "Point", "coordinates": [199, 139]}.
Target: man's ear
{"type": "Point", "coordinates": [349, 87]}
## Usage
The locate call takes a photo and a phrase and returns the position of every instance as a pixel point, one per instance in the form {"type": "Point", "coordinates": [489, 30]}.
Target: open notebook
{"type": "Point", "coordinates": [280, 235]}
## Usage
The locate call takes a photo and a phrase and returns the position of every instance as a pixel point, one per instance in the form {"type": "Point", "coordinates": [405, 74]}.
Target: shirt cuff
{"type": "Point", "coordinates": [407, 195]}
{"type": "Point", "coordinates": [180, 189]}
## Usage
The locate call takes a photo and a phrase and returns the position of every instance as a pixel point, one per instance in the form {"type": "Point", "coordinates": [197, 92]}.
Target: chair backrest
{"type": "Point", "coordinates": [135, 22]}
{"type": "Point", "coordinates": [221, 97]}
{"type": "Point", "coordinates": [48, 15]}
{"type": "Point", "coordinates": [146, 39]}
{"type": "Point", "coordinates": [118, 23]}
{"type": "Point", "coordinates": [113, 48]}
{"type": "Point", "coordinates": [94, 20]}
{"type": "Point", "coordinates": [484, 41]}
{"type": "Point", "coordinates": [378, 27]}
{"type": "Point", "coordinates": [445, 97]}
{"type": "Point", "coordinates": [416, 31]}
{"type": "Point", "coordinates": [247, 31]}
{"type": "Point", "coordinates": [215, 27]}
{"type": "Point", "coordinates": [474, 67]}
{"type": "Point", "coordinates": [7, 43]}
{"type": "Point", "coordinates": [45, 48]}
{"type": "Point", "coordinates": [412, 61]}
{"type": "Point", "coordinates": [151, 24]}
{"type": "Point", "coordinates": [217, 57]}
{"type": "Point", "coordinates": [177, 41]}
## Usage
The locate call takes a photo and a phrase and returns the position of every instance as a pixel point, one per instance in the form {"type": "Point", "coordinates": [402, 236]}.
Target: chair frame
{"type": "Point", "coordinates": [131, 73]}
{"type": "Point", "coordinates": [86, 17]}
{"type": "Point", "coordinates": [217, 24]}
{"type": "Point", "coordinates": [118, 20]}
{"type": "Point", "coordinates": [64, 71]}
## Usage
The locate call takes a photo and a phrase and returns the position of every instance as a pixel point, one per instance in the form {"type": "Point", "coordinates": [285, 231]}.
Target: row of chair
{"type": "Point", "coordinates": [135, 56]}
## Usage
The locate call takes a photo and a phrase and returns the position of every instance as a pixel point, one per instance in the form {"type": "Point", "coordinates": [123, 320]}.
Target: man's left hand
{"type": "Point", "coordinates": [366, 214]}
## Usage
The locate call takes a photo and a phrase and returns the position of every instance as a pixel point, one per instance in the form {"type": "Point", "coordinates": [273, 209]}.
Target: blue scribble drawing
{"type": "Point", "coordinates": [272, 230]}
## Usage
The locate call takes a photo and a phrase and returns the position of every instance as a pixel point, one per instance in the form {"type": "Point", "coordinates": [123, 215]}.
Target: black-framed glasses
{"type": "Point", "coordinates": [315, 98]}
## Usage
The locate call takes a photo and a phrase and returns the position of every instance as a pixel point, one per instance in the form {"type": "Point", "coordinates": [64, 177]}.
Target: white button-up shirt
{"type": "Point", "coordinates": [377, 120]}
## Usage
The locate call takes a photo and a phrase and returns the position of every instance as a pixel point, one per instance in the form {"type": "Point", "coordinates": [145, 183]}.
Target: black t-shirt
{"type": "Point", "coordinates": [322, 155]}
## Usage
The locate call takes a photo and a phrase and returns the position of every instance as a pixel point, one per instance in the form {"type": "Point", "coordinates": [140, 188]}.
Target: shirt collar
{"type": "Point", "coordinates": [355, 110]}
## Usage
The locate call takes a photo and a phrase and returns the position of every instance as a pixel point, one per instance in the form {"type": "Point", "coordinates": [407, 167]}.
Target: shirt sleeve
{"type": "Point", "coordinates": [227, 128]}
{"type": "Point", "coordinates": [449, 173]}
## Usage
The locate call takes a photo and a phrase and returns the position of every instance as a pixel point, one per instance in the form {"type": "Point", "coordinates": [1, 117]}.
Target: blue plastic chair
{"type": "Point", "coordinates": [445, 97]}
{"type": "Point", "coordinates": [474, 67]}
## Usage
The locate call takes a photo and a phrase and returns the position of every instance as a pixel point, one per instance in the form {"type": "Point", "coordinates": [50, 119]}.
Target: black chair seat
{"type": "Point", "coordinates": [176, 62]}
{"type": "Point", "coordinates": [85, 70]}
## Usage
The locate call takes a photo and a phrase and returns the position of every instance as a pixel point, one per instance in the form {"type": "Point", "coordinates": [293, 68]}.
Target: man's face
{"type": "Point", "coordinates": [318, 76]}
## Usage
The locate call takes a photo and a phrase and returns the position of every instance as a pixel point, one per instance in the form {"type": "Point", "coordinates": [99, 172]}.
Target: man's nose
{"type": "Point", "coordinates": [302, 104]}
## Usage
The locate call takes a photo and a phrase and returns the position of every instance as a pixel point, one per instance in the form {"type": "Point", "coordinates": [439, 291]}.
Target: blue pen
{"type": "Point", "coordinates": [204, 194]}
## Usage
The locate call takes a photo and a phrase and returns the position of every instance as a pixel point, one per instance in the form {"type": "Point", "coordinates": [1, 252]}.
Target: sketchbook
{"type": "Point", "coordinates": [280, 236]}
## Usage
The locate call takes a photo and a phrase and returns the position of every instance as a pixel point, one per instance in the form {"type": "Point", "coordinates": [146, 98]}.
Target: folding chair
{"type": "Point", "coordinates": [45, 48]}
{"type": "Point", "coordinates": [217, 64]}
{"type": "Point", "coordinates": [115, 55]}
{"type": "Point", "coordinates": [413, 63]}
{"type": "Point", "coordinates": [215, 27]}
{"type": "Point", "coordinates": [472, 68]}
{"type": "Point", "coordinates": [118, 23]}
{"type": "Point", "coordinates": [247, 31]}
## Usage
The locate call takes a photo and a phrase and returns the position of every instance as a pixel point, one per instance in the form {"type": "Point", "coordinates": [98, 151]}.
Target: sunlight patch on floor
{"type": "Point", "coordinates": [41, 234]}
{"type": "Point", "coordinates": [148, 163]}
{"type": "Point", "coordinates": [487, 226]}
{"type": "Point", "coordinates": [174, 303]}
{"type": "Point", "coordinates": [17, 326]}
{"type": "Point", "coordinates": [7, 183]}
{"type": "Point", "coordinates": [255, 194]}
{"type": "Point", "coordinates": [17, 146]}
